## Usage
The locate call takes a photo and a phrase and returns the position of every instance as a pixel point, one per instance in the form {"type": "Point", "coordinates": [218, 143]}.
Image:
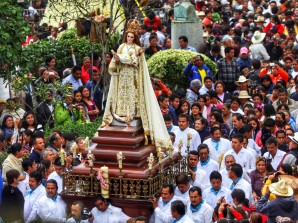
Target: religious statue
{"type": "Point", "coordinates": [131, 95]}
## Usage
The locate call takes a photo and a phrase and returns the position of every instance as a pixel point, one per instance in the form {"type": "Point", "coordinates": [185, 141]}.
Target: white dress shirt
{"type": "Point", "coordinates": [201, 181]}
{"type": "Point", "coordinates": [211, 198]}
{"type": "Point", "coordinates": [223, 146]}
{"type": "Point", "coordinates": [226, 181]}
{"type": "Point", "coordinates": [162, 213]}
{"type": "Point", "coordinates": [209, 167]}
{"type": "Point", "coordinates": [195, 141]}
{"type": "Point", "coordinates": [72, 220]}
{"type": "Point", "coordinates": [277, 158]}
{"type": "Point", "coordinates": [111, 215]}
{"type": "Point", "coordinates": [184, 196]}
{"type": "Point", "coordinates": [58, 179]}
{"type": "Point", "coordinates": [23, 185]}
{"type": "Point", "coordinates": [51, 211]}
{"type": "Point", "coordinates": [243, 157]}
{"type": "Point", "coordinates": [30, 206]}
{"type": "Point", "coordinates": [252, 144]}
{"type": "Point", "coordinates": [185, 219]}
{"type": "Point", "coordinates": [204, 215]}
{"type": "Point", "coordinates": [246, 187]}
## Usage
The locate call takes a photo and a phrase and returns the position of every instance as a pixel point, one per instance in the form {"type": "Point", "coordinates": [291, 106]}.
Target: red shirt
{"type": "Point", "coordinates": [85, 75]}
{"type": "Point", "coordinates": [154, 24]}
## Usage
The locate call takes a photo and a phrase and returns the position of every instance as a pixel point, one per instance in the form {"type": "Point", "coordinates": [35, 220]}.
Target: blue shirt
{"type": "Point", "coordinates": [71, 80]}
{"type": "Point", "coordinates": [189, 48]}
{"type": "Point", "coordinates": [193, 73]}
{"type": "Point", "coordinates": [1, 186]}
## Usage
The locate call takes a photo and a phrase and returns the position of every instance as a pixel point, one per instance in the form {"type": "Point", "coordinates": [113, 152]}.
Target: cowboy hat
{"type": "Point", "coordinates": [258, 37]}
{"type": "Point", "coordinates": [243, 95]}
{"type": "Point", "coordinates": [200, 13]}
{"type": "Point", "coordinates": [242, 79]}
{"type": "Point", "coordinates": [281, 188]}
{"type": "Point", "coordinates": [260, 19]}
{"type": "Point", "coordinates": [294, 138]}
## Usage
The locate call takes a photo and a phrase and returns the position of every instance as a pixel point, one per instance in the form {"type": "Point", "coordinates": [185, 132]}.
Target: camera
{"type": "Point", "coordinates": [86, 214]}
{"type": "Point", "coordinates": [271, 64]}
{"type": "Point", "coordinates": [51, 73]}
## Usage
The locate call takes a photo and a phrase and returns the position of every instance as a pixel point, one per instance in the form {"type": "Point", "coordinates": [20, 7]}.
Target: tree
{"type": "Point", "coordinates": [13, 31]}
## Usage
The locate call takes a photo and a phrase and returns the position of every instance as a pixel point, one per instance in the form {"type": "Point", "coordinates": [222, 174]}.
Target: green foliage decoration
{"type": "Point", "coordinates": [82, 130]}
{"type": "Point", "coordinates": [13, 31]}
{"type": "Point", "coordinates": [168, 65]}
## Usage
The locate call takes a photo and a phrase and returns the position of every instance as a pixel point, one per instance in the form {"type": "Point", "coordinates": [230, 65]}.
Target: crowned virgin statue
{"type": "Point", "coordinates": [131, 95]}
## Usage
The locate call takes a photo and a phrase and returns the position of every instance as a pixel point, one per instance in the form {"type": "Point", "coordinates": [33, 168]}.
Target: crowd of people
{"type": "Point", "coordinates": [237, 127]}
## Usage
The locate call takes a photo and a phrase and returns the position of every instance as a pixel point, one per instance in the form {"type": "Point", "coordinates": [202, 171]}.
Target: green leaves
{"type": "Point", "coordinates": [13, 31]}
{"type": "Point", "coordinates": [169, 65]}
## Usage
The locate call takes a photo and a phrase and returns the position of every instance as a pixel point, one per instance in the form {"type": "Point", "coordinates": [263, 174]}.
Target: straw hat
{"type": "Point", "coordinates": [258, 37]}
{"type": "Point", "coordinates": [281, 188]}
{"type": "Point", "coordinates": [294, 138]}
{"type": "Point", "coordinates": [242, 79]}
{"type": "Point", "coordinates": [200, 13]}
{"type": "Point", "coordinates": [243, 95]}
{"type": "Point", "coordinates": [260, 19]}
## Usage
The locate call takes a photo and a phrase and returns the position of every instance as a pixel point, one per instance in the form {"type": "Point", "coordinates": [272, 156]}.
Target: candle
{"type": "Point", "coordinates": [170, 149]}
{"type": "Point", "coordinates": [150, 160]}
{"type": "Point", "coordinates": [120, 157]}
{"type": "Point", "coordinates": [74, 150]}
{"type": "Point", "coordinates": [62, 156]}
{"type": "Point", "coordinates": [87, 142]}
{"type": "Point", "coordinates": [180, 145]}
{"type": "Point", "coordinates": [159, 154]}
{"type": "Point", "coordinates": [104, 169]}
{"type": "Point", "coordinates": [189, 136]}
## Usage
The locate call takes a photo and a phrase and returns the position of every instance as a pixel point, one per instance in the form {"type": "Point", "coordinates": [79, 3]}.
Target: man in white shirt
{"type": "Point", "coordinates": [162, 206]}
{"type": "Point", "coordinates": [169, 123]}
{"type": "Point", "coordinates": [235, 174]}
{"type": "Point", "coordinates": [198, 177]}
{"type": "Point", "coordinates": [226, 181]}
{"type": "Point", "coordinates": [274, 155]}
{"type": "Point", "coordinates": [182, 188]}
{"type": "Point", "coordinates": [161, 29]}
{"type": "Point", "coordinates": [216, 144]}
{"type": "Point", "coordinates": [206, 163]}
{"type": "Point", "coordinates": [28, 166]}
{"type": "Point", "coordinates": [51, 207]}
{"type": "Point", "coordinates": [179, 213]}
{"type": "Point", "coordinates": [37, 190]}
{"type": "Point", "coordinates": [217, 191]}
{"type": "Point", "coordinates": [198, 210]}
{"type": "Point", "coordinates": [241, 155]}
{"type": "Point", "coordinates": [105, 212]}
{"type": "Point", "coordinates": [185, 136]}
{"type": "Point", "coordinates": [57, 174]}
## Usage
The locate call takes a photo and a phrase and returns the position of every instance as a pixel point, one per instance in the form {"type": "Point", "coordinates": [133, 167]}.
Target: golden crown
{"type": "Point", "coordinates": [133, 25]}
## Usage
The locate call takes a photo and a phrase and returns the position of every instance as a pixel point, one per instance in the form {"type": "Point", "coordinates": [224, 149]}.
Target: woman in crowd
{"type": "Point", "coordinates": [13, 160]}
{"type": "Point", "coordinates": [257, 177]}
{"type": "Point", "coordinates": [167, 44]}
{"type": "Point", "coordinates": [268, 112]}
{"type": "Point", "coordinates": [93, 111]}
{"type": "Point", "coordinates": [29, 122]}
{"type": "Point", "coordinates": [254, 122]}
{"type": "Point", "coordinates": [201, 127]}
{"type": "Point", "coordinates": [220, 90]}
{"type": "Point", "coordinates": [280, 120]}
{"type": "Point", "coordinates": [257, 99]}
{"type": "Point", "coordinates": [227, 114]}
{"type": "Point", "coordinates": [184, 107]}
{"type": "Point", "coordinates": [202, 100]}
{"type": "Point", "coordinates": [289, 121]}
{"type": "Point", "coordinates": [50, 64]}
{"type": "Point", "coordinates": [86, 66]}
{"type": "Point", "coordinates": [217, 117]}
{"type": "Point", "coordinates": [267, 84]}
{"type": "Point", "coordinates": [195, 114]}
{"type": "Point", "coordinates": [7, 126]}
{"type": "Point", "coordinates": [236, 106]}
{"type": "Point", "coordinates": [77, 97]}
